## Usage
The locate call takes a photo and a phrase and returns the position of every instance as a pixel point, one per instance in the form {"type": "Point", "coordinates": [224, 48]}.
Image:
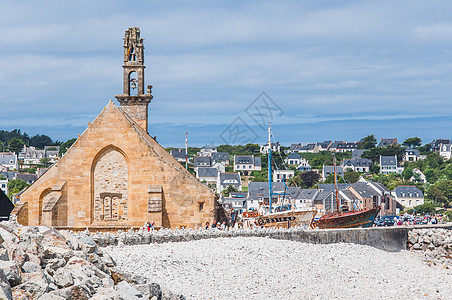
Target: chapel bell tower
{"type": "Point", "coordinates": [134, 101]}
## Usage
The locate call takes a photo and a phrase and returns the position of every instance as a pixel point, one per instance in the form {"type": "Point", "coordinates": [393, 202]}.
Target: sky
{"type": "Point", "coordinates": [221, 70]}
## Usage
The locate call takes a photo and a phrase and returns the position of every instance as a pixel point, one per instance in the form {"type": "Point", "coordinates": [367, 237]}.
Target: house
{"type": "Point", "coordinates": [445, 150]}
{"type": "Point", "coordinates": [116, 176]}
{"type": "Point", "coordinates": [346, 146]}
{"type": "Point", "coordinates": [9, 161]}
{"type": "Point", "coordinates": [4, 185]}
{"type": "Point", "coordinates": [295, 148]}
{"type": "Point", "coordinates": [276, 147]}
{"type": "Point", "coordinates": [325, 200]}
{"type": "Point", "coordinates": [52, 153]}
{"type": "Point", "coordinates": [247, 164]}
{"type": "Point", "coordinates": [236, 201]}
{"type": "Point", "coordinates": [408, 196]}
{"type": "Point", "coordinates": [357, 164]}
{"type": "Point", "coordinates": [411, 154]}
{"type": "Point", "coordinates": [387, 142]}
{"type": "Point", "coordinates": [207, 150]}
{"type": "Point", "coordinates": [293, 159]}
{"type": "Point", "coordinates": [327, 170]}
{"type": "Point", "coordinates": [28, 178]}
{"type": "Point", "coordinates": [357, 153]}
{"type": "Point", "coordinates": [221, 157]}
{"type": "Point", "coordinates": [304, 166]}
{"type": "Point", "coordinates": [208, 175]}
{"type": "Point", "coordinates": [178, 154]}
{"type": "Point", "coordinates": [31, 156]}
{"type": "Point", "coordinates": [6, 206]}
{"type": "Point", "coordinates": [324, 146]}
{"type": "Point", "coordinates": [388, 165]}
{"type": "Point", "coordinates": [226, 179]}
{"type": "Point", "coordinates": [360, 195]}
{"type": "Point", "coordinates": [202, 162]}
{"type": "Point", "coordinates": [333, 146]}
{"type": "Point", "coordinates": [418, 176]}
{"type": "Point", "coordinates": [258, 194]}
{"type": "Point", "coordinates": [435, 144]}
{"type": "Point", "coordinates": [283, 175]}
{"type": "Point", "coordinates": [312, 148]}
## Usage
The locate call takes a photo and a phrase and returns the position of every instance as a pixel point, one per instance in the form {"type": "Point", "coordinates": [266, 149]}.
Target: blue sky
{"type": "Point", "coordinates": [336, 69]}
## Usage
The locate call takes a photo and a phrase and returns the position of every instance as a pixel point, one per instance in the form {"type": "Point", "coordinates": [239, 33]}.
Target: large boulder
{"type": "Point", "coordinates": [63, 278]}
{"type": "Point", "coordinates": [11, 271]}
{"type": "Point", "coordinates": [127, 291]}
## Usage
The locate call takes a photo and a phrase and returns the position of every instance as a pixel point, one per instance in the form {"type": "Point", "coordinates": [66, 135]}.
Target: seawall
{"type": "Point", "coordinates": [386, 238]}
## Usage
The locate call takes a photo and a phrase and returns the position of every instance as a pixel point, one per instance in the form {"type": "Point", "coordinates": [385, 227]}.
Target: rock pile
{"type": "Point", "coordinates": [43, 263]}
{"type": "Point", "coordinates": [435, 245]}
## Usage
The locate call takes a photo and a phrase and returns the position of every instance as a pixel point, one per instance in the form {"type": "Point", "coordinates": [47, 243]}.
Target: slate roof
{"type": "Point", "coordinates": [230, 176]}
{"type": "Point", "coordinates": [388, 161]}
{"type": "Point", "coordinates": [294, 155]}
{"type": "Point", "coordinates": [202, 159]}
{"type": "Point", "coordinates": [407, 191]}
{"type": "Point", "coordinates": [10, 175]}
{"type": "Point", "coordinates": [334, 144]}
{"type": "Point", "coordinates": [357, 153]}
{"type": "Point", "coordinates": [411, 151]}
{"type": "Point", "coordinates": [220, 156]}
{"type": "Point", "coordinates": [296, 147]}
{"type": "Point", "coordinates": [445, 147]}
{"type": "Point", "coordinates": [259, 190]}
{"type": "Point", "coordinates": [178, 153]}
{"type": "Point", "coordinates": [27, 177]}
{"type": "Point", "coordinates": [387, 142]}
{"type": "Point", "coordinates": [330, 169]}
{"type": "Point", "coordinates": [365, 191]}
{"type": "Point", "coordinates": [7, 157]}
{"type": "Point", "coordinates": [244, 159]}
{"type": "Point", "coordinates": [207, 172]}
{"type": "Point", "coordinates": [325, 144]}
{"type": "Point", "coordinates": [347, 145]}
{"type": "Point", "coordinates": [357, 162]}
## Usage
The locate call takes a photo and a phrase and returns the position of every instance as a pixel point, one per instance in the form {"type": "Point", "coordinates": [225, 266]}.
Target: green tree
{"type": "Point", "coordinates": [40, 140]}
{"type": "Point", "coordinates": [15, 145]}
{"type": "Point", "coordinates": [66, 145]}
{"type": "Point", "coordinates": [424, 150]}
{"type": "Point", "coordinates": [229, 189]}
{"type": "Point", "coordinates": [351, 176]}
{"type": "Point", "coordinates": [368, 142]}
{"type": "Point", "coordinates": [412, 142]}
{"type": "Point", "coordinates": [44, 161]}
{"type": "Point", "coordinates": [441, 192]}
{"type": "Point", "coordinates": [407, 173]}
{"type": "Point", "coordinates": [306, 180]}
{"type": "Point", "coordinates": [15, 186]}
{"type": "Point", "coordinates": [426, 208]}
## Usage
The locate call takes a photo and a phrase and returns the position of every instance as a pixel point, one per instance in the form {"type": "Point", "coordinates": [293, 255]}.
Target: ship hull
{"type": "Point", "coordinates": [362, 218]}
{"type": "Point", "coordinates": [287, 219]}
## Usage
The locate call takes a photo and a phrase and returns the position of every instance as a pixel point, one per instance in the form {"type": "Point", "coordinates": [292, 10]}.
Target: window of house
{"type": "Point", "coordinates": [201, 206]}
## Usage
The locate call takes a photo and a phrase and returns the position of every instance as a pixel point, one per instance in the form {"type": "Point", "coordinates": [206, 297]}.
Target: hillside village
{"type": "Point", "coordinates": [404, 176]}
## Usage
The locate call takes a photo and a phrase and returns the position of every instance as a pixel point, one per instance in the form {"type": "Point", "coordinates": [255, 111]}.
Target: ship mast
{"type": "Point", "coordinates": [186, 150]}
{"type": "Point", "coordinates": [335, 184]}
{"type": "Point", "coordinates": [270, 192]}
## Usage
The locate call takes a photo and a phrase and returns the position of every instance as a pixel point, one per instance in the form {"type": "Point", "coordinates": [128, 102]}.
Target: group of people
{"type": "Point", "coordinates": [215, 224]}
{"type": "Point", "coordinates": [149, 226]}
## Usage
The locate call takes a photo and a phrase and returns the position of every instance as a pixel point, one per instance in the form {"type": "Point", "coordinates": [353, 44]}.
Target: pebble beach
{"type": "Point", "coordinates": [264, 268]}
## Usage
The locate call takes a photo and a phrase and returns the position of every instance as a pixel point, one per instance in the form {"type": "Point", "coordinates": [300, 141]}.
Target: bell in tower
{"type": "Point", "coordinates": [134, 101]}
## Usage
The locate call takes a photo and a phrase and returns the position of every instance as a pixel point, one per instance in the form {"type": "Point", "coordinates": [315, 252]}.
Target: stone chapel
{"type": "Point", "coordinates": [116, 176]}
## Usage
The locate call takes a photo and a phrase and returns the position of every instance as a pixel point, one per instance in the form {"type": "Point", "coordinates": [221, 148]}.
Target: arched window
{"type": "Point", "coordinates": [133, 83]}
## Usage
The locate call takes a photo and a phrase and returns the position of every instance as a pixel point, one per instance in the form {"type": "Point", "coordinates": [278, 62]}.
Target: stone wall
{"type": "Point", "coordinates": [388, 239]}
